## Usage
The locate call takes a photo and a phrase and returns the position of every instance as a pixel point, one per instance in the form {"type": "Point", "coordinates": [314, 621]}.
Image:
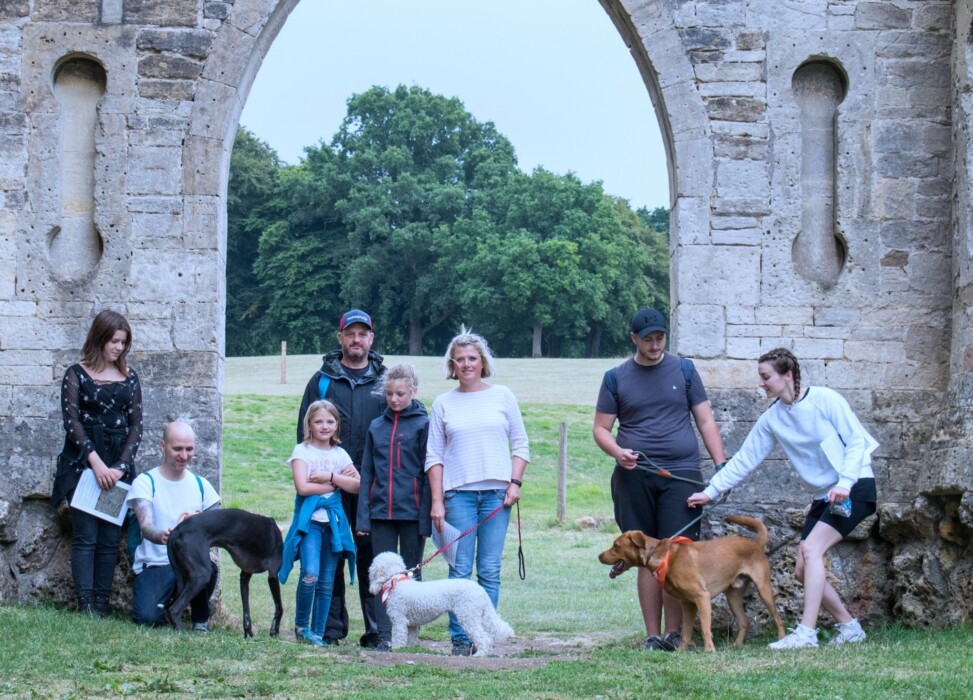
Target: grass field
{"type": "Point", "coordinates": [578, 631]}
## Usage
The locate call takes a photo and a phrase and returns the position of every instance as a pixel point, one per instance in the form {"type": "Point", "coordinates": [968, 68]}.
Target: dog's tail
{"type": "Point", "coordinates": [498, 628]}
{"type": "Point", "coordinates": [752, 524]}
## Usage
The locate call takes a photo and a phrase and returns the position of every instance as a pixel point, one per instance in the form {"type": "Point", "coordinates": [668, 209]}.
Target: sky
{"type": "Point", "coordinates": [554, 76]}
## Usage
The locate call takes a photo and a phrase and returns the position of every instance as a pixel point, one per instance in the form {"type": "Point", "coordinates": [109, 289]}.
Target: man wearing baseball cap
{"type": "Point", "coordinates": [652, 396]}
{"type": "Point", "coordinates": [347, 379]}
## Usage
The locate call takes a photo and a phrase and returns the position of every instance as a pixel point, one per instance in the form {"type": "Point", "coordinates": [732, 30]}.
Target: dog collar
{"type": "Point", "coordinates": [660, 573]}
{"type": "Point", "coordinates": [390, 584]}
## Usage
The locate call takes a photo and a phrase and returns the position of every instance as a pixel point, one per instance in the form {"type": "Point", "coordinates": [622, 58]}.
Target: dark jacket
{"type": "Point", "coordinates": [393, 476]}
{"type": "Point", "coordinates": [358, 405]}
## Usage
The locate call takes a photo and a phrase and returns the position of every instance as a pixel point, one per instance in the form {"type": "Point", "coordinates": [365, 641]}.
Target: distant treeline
{"type": "Point", "coordinates": [417, 213]}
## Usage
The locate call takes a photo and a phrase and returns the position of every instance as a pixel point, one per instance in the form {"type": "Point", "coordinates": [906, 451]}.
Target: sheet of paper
{"type": "Point", "coordinates": [448, 536]}
{"type": "Point", "coordinates": [108, 505]}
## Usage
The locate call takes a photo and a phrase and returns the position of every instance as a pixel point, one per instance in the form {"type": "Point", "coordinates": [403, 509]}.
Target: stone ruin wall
{"type": "Point", "coordinates": [819, 175]}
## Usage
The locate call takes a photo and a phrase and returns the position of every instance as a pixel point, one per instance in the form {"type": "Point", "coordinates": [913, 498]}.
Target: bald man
{"type": "Point", "coordinates": [161, 497]}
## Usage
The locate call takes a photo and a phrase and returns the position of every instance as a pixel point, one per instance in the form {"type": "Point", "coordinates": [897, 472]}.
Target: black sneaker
{"type": "Point", "coordinates": [330, 641]}
{"type": "Point", "coordinates": [668, 642]}
{"type": "Point", "coordinates": [384, 645]}
{"type": "Point", "coordinates": [461, 648]}
{"type": "Point", "coordinates": [671, 641]}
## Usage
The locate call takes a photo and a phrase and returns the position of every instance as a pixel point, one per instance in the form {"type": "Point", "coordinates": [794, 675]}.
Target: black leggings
{"type": "Point", "coordinates": [94, 554]}
{"type": "Point", "coordinates": [400, 536]}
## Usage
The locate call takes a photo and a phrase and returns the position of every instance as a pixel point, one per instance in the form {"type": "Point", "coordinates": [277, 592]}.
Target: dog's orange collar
{"type": "Point", "coordinates": [390, 584]}
{"type": "Point", "coordinates": [660, 573]}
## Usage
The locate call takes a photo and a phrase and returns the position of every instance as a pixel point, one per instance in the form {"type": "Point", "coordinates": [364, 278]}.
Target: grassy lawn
{"type": "Point", "coordinates": [578, 631]}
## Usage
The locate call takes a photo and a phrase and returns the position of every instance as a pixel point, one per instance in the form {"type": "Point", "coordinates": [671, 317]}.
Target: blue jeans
{"type": "Point", "coordinates": [485, 544]}
{"type": "Point", "coordinates": [154, 588]}
{"type": "Point", "coordinates": [318, 564]}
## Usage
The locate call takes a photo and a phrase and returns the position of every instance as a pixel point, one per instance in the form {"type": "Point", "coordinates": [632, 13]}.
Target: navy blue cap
{"type": "Point", "coordinates": [354, 316]}
{"type": "Point", "coordinates": [648, 320]}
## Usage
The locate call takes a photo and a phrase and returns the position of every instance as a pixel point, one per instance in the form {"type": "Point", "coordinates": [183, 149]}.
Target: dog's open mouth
{"type": "Point", "coordinates": [617, 568]}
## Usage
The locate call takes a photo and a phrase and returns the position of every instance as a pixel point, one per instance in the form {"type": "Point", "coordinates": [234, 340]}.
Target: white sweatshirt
{"type": "Point", "coordinates": [821, 436]}
{"type": "Point", "coordinates": [472, 434]}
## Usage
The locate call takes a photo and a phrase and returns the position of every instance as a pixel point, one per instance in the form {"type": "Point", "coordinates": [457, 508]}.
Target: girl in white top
{"type": "Point", "coordinates": [832, 453]}
{"type": "Point", "coordinates": [476, 456]}
{"type": "Point", "coordinates": [320, 470]}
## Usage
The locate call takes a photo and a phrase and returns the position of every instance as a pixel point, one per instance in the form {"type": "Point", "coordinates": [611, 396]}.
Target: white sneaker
{"type": "Point", "coordinates": [848, 633]}
{"type": "Point", "coordinates": [799, 638]}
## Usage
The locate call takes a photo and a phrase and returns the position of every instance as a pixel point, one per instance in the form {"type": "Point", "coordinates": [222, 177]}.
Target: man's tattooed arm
{"type": "Point", "coordinates": [143, 513]}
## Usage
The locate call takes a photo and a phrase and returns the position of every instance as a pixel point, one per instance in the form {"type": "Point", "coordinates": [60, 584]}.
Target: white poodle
{"type": "Point", "coordinates": [411, 603]}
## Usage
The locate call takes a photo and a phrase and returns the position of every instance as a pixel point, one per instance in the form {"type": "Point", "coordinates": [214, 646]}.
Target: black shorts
{"type": "Point", "coordinates": [653, 504]}
{"type": "Point", "coordinates": [864, 497]}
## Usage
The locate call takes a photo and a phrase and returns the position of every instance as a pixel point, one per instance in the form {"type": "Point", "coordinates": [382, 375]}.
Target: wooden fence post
{"type": "Point", "coordinates": [562, 474]}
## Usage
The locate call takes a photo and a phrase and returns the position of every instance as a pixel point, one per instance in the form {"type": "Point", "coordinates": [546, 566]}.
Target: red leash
{"type": "Point", "coordinates": [520, 547]}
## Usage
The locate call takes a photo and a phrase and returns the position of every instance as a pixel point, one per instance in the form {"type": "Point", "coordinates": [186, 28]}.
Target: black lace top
{"type": "Point", "coordinates": [106, 412]}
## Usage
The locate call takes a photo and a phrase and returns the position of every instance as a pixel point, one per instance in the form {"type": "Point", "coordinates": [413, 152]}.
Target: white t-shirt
{"type": "Point", "coordinates": [319, 461]}
{"type": "Point", "coordinates": [170, 500]}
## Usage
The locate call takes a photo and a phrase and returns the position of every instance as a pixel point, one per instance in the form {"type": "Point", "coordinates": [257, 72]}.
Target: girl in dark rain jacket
{"type": "Point", "coordinates": [394, 500]}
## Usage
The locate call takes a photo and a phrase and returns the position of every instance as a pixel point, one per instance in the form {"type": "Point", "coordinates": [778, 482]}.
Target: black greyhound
{"type": "Point", "coordinates": [254, 543]}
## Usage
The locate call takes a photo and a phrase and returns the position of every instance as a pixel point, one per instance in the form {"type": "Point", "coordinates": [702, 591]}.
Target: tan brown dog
{"type": "Point", "coordinates": [695, 572]}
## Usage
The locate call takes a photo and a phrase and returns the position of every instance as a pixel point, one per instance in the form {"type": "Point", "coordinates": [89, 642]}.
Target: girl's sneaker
{"type": "Point", "coordinates": [305, 635]}
{"type": "Point", "coordinates": [800, 637]}
{"type": "Point", "coordinates": [848, 633]}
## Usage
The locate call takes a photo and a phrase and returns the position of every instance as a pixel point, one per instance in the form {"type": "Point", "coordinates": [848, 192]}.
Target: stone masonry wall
{"type": "Point", "coordinates": [818, 159]}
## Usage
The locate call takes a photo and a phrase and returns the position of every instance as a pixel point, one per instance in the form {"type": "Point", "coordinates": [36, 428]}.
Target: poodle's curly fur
{"type": "Point", "coordinates": [412, 603]}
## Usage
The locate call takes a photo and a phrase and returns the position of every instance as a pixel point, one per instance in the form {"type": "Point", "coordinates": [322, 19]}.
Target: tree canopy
{"type": "Point", "coordinates": [417, 212]}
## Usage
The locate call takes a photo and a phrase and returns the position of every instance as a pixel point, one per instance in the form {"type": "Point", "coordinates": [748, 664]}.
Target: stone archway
{"type": "Point", "coordinates": [882, 327]}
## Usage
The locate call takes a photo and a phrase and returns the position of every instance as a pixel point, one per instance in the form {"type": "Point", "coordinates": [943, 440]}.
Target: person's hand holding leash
{"type": "Point", "coordinates": [512, 495]}
{"type": "Point", "coordinates": [697, 499]}
{"type": "Point", "coordinates": [627, 458]}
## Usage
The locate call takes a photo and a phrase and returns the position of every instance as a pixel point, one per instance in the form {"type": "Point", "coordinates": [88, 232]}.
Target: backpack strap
{"type": "Point", "coordinates": [323, 383]}
{"type": "Point", "coordinates": [199, 482]}
{"type": "Point", "coordinates": [687, 373]}
{"type": "Point", "coordinates": [611, 383]}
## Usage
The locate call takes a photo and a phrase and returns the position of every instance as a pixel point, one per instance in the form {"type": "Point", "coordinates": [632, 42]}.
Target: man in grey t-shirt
{"type": "Point", "coordinates": [653, 400]}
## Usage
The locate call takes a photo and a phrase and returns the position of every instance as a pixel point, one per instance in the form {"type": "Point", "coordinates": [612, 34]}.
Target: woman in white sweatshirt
{"type": "Point", "coordinates": [832, 453]}
{"type": "Point", "coordinates": [475, 460]}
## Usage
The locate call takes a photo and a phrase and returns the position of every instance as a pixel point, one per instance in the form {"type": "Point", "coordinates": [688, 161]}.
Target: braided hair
{"type": "Point", "coordinates": [783, 361]}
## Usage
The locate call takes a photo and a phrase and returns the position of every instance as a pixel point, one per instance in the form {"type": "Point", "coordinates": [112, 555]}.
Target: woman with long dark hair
{"type": "Point", "coordinates": [101, 406]}
{"type": "Point", "coordinates": [832, 453]}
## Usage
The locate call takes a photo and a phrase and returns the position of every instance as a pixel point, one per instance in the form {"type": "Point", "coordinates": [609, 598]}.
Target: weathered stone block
{"type": "Point", "coordinates": [14, 9]}
{"type": "Point", "coordinates": [188, 42]}
{"type": "Point", "coordinates": [162, 13]}
{"type": "Point", "coordinates": [61, 11]}
{"type": "Point", "coordinates": [882, 15]}
{"type": "Point", "coordinates": [736, 109]}
{"type": "Point", "coordinates": [216, 10]}
{"type": "Point", "coordinates": [169, 67]}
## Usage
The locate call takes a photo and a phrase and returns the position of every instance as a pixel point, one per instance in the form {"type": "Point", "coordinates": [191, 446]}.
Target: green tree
{"type": "Point", "coordinates": [656, 219]}
{"type": "Point", "coordinates": [414, 162]}
{"type": "Point", "coordinates": [254, 168]}
{"type": "Point", "coordinates": [416, 212]}
{"type": "Point", "coordinates": [559, 269]}
{"type": "Point", "coordinates": [301, 258]}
